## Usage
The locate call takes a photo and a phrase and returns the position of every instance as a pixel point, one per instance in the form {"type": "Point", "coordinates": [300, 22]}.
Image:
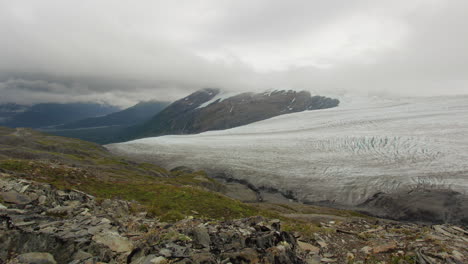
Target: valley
{"type": "Point", "coordinates": [340, 157]}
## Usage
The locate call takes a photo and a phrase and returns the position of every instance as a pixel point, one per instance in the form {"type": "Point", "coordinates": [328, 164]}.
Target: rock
{"type": "Point", "coordinates": [266, 240]}
{"type": "Point", "coordinates": [36, 258]}
{"type": "Point", "coordinates": [201, 238]}
{"type": "Point", "coordinates": [313, 259]}
{"type": "Point", "coordinates": [177, 251]}
{"type": "Point", "coordinates": [308, 247]}
{"type": "Point", "coordinates": [384, 248]}
{"type": "Point", "coordinates": [322, 244]}
{"type": "Point", "coordinates": [16, 198]}
{"type": "Point", "coordinates": [441, 230]}
{"type": "Point", "coordinates": [60, 210]}
{"type": "Point", "coordinates": [61, 193]}
{"type": "Point", "coordinates": [158, 260]}
{"type": "Point", "coordinates": [366, 250]}
{"type": "Point", "coordinates": [33, 196]}
{"type": "Point", "coordinates": [458, 256]}
{"type": "Point", "coordinates": [24, 188]}
{"type": "Point", "coordinates": [81, 255]}
{"type": "Point", "coordinates": [165, 252]}
{"type": "Point", "coordinates": [460, 230]}
{"type": "Point", "coordinates": [247, 255]}
{"type": "Point", "coordinates": [114, 241]}
{"type": "Point", "coordinates": [203, 258]}
{"type": "Point", "coordinates": [42, 199]}
{"type": "Point", "coordinates": [274, 224]}
{"type": "Point", "coordinates": [2, 206]}
{"type": "Point", "coordinates": [150, 259]}
{"type": "Point", "coordinates": [328, 260]}
{"type": "Point", "coordinates": [77, 229]}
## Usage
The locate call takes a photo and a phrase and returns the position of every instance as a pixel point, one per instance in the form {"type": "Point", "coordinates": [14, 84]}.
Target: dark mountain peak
{"type": "Point", "coordinates": [197, 98]}
{"type": "Point", "coordinates": [214, 109]}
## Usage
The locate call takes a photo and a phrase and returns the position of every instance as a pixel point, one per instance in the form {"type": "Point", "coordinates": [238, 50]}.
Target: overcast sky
{"type": "Point", "coordinates": [121, 52]}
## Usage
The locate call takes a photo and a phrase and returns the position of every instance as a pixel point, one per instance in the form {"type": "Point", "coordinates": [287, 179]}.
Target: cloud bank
{"type": "Point", "coordinates": [121, 52]}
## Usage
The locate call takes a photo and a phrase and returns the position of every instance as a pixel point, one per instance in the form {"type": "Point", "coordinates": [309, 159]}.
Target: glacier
{"type": "Point", "coordinates": [341, 155]}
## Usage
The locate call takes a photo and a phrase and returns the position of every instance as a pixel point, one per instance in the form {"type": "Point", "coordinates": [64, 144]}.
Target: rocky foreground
{"type": "Point", "coordinates": [41, 224]}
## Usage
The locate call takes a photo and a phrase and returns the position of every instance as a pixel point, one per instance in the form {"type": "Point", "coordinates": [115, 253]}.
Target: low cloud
{"type": "Point", "coordinates": [120, 52]}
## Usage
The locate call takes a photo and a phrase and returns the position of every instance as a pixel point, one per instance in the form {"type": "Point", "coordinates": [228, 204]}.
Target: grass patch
{"type": "Point", "coordinates": [404, 259]}
{"type": "Point", "coordinates": [307, 230]}
{"type": "Point", "coordinates": [170, 198]}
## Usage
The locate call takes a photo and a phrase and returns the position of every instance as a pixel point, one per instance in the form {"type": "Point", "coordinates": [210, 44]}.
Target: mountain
{"type": "Point", "coordinates": [384, 156]}
{"type": "Point", "coordinates": [212, 109]}
{"type": "Point", "coordinates": [109, 128]}
{"type": "Point", "coordinates": [130, 116]}
{"type": "Point", "coordinates": [51, 114]}
{"type": "Point", "coordinates": [9, 110]}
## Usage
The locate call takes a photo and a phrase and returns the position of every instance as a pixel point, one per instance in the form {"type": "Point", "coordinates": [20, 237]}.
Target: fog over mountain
{"type": "Point", "coordinates": [123, 52]}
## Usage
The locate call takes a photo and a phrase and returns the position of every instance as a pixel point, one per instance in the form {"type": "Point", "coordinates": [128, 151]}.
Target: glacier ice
{"type": "Point", "coordinates": [344, 154]}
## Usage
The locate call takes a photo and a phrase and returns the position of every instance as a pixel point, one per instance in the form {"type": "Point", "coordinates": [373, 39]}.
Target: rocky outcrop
{"type": "Point", "coordinates": [212, 109]}
{"type": "Point", "coordinates": [41, 224]}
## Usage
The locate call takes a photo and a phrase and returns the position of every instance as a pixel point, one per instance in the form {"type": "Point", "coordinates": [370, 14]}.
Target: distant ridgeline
{"type": "Point", "coordinates": [212, 109]}
{"type": "Point", "coordinates": [94, 122]}
{"type": "Point", "coordinates": [204, 110]}
{"type": "Point", "coordinates": [50, 114]}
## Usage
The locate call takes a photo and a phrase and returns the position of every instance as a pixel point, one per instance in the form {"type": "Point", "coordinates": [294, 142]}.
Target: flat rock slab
{"type": "Point", "coordinates": [36, 258]}
{"type": "Point", "coordinates": [15, 198]}
{"type": "Point", "coordinates": [308, 247]}
{"type": "Point", "coordinates": [114, 241]}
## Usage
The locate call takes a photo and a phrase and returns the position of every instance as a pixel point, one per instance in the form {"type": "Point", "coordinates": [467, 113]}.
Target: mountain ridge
{"type": "Point", "coordinates": [207, 110]}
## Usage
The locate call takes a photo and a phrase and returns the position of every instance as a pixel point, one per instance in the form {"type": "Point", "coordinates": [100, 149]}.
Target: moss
{"type": "Point", "coordinates": [403, 259]}
{"type": "Point", "coordinates": [173, 236]}
{"type": "Point", "coordinates": [172, 216]}
{"type": "Point", "coordinates": [57, 214]}
{"type": "Point", "coordinates": [15, 165]}
{"type": "Point", "coordinates": [164, 200]}
{"type": "Point", "coordinates": [143, 228]}
{"type": "Point", "coordinates": [307, 230]}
